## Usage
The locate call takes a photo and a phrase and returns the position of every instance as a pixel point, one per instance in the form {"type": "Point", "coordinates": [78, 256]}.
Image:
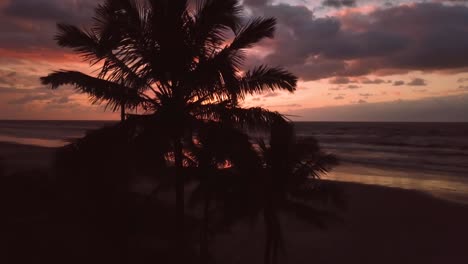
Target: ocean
{"type": "Point", "coordinates": [428, 157]}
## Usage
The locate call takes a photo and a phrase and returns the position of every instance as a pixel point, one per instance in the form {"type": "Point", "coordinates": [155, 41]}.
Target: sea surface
{"type": "Point", "coordinates": [428, 157]}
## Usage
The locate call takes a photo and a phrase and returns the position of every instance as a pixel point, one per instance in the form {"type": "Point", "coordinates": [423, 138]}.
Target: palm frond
{"type": "Point", "coordinates": [250, 118]}
{"type": "Point", "coordinates": [253, 32]}
{"type": "Point", "coordinates": [213, 18]}
{"type": "Point", "coordinates": [263, 78]}
{"type": "Point", "coordinates": [85, 43]}
{"type": "Point", "coordinates": [99, 90]}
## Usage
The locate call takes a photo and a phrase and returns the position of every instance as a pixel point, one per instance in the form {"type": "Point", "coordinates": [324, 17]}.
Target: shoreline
{"type": "Point", "coordinates": [17, 157]}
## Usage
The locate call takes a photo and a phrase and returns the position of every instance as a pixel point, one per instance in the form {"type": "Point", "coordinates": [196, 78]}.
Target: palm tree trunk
{"type": "Point", "coordinates": [180, 204]}
{"type": "Point", "coordinates": [122, 112]}
{"type": "Point", "coordinates": [204, 254]}
{"type": "Point", "coordinates": [268, 239]}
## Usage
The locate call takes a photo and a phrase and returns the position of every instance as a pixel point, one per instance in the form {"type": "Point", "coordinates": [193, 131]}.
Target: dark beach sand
{"type": "Point", "coordinates": [381, 225]}
{"type": "Point", "coordinates": [16, 157]}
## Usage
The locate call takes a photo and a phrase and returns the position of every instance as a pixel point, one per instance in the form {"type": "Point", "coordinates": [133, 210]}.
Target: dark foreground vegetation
{"type": "Point", "coordinates": [181, 166]}
{"type": "Point", "coordinates": [107, 200]}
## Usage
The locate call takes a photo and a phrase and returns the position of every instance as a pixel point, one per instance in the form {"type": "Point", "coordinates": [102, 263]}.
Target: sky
{"type": "Point", "coordinates": [357, 60]}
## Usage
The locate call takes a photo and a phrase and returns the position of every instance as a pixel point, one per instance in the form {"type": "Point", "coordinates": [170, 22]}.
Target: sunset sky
{"type": "Point", "coordinates": [362, 60]}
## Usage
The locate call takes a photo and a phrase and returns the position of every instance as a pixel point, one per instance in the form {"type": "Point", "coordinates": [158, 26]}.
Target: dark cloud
{"type": "Point", "coordinates": [31, 24]}
{"type": "Point", "coordinates": [463, 87]}
{"type": "Point", "coordinates": [353, 86]}
{"type": "Point", "coordinates": [55, 10]}
{"type": "Point", "coordinates": [361, 101]}
{"type": "Point", "coordinates": [256, 2]}
{"type": "Point", "coordinates": [399, 38]}
{"type": "Point", "coordinates": [339, 3]}
{"type": "Point", "coordinates": [335, 89]}
{"type": "Point", "coordinates": [340, 97]}
{"type": "Point", "coordinates": [417, 82]}
{"type": "Point", "coordinates": [462, 80]}
{"type": "Point", "coordinates": [375, 81]}
{"type": "Point", "coordinates": [398, 83]}
{"type": "Point", "coordinates": [366, 94]}
{"type": "Point", "coordinates": [340, 80]}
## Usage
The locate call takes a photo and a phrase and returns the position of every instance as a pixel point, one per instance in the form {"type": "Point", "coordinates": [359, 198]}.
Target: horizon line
{"type": "Point", "coordinates": [294, 121]}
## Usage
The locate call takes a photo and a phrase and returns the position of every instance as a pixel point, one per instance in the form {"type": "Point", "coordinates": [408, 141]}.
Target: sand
{"type": "Point", "coordinates": [16, 157]}
{"type": "Point", "coordinates": [381, 225]}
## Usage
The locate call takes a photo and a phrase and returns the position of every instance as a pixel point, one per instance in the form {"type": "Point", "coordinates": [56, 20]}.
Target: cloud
{"type": "Point", "coordinates": [401, 38]}
{"type": "Point", "coordinates": [366, 80]}
{"type": "Point", "coordinates": [18, 77]}
{"type": "Point", "coordinates": [27, 99]}
{"type": "Point", "coordinates": [340, 80]}
{"type": "Point", "coordinates": [340, 97]}
{"type": "Point", "coordinates": [8, 78]}
{"type": "Point", "coordinates": [441, 109]}
{"type": "Point", "coordinates": [61, 100]}
{"type": "Point", "coordinates": [55, 10]}
{"type": "Point", "coordinates": [353, 86]}
{"type": "Point", "coordinates": [417, 82]}
{"type": "Point", "coordinates": [8, 90]}
{"type": "Point", "coordinates": [339, 3]}
{"type": "Point", "coordinates": [398, 83]}
{"type": "Point", "coordinates": [463, 87]}
{"type": "Point", "coordinates": [286, 105]}
{"type": "Point", "coordinates": [366, 94]}
{"type": "Point", "coordinates": [256, 2]}
{"type": "Point", "coordinates": [16, 96]}
{"type": "Point", "coordinates": [361, 101]}
{"type": "Point", "coordinates": [30, 25]}
{"type": "Point", "coordinates": [420, 91]}
{"type": "Point", "coordinates": [271, 94]}
{"type": "Point", "coordinates": [462, 80]}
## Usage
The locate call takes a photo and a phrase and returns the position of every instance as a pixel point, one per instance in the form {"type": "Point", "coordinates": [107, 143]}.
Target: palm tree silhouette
{"type": "Point", "coordinates": [268, 179]}
{"type": "Point", "coordinates": [178, 64]}
{"type": "Point", "coordinates": [291, 178]}
{"type": "Point", "coordinates": [226, 162]}
{"type": "Point", "coordinates": [115, 94]}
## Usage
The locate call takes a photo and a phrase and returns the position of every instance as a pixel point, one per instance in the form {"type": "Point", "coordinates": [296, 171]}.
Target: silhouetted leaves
{"type": "Point", "coordinates": [180, 67]}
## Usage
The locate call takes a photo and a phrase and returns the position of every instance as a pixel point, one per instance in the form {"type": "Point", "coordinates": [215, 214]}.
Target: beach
{"type": "Point", "coordinates": [19, 158]}
{"type": "Point", "coordinates": [379, 225]}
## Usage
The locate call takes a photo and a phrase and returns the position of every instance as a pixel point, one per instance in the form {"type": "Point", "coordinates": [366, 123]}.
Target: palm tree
{"type": "Point", "coordinates": [225, 161]}
{"type": "Point", "coordinates": [178, 64]}
{"type": "Point", "coordinates": [115, 95]}
{"type": "Point", "coordinates": [283, 176]}
{"type": "Point", "coordinates": [291, 178]}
